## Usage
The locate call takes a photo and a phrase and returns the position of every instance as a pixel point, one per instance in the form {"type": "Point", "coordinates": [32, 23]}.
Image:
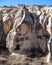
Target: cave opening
{"type": "Point", "coordinates": [17, 47]}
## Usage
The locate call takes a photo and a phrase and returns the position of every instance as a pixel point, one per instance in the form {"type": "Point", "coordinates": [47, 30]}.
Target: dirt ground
{"type": "Point", "coordinates": [18, 59]}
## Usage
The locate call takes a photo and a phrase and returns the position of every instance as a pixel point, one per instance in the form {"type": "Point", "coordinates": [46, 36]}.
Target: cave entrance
{"type": "Point", "coordinates": [17, 47]}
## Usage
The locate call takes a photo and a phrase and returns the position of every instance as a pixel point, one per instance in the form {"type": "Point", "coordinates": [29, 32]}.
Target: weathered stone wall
{"type": "Point", "coordinates": [27, 29]}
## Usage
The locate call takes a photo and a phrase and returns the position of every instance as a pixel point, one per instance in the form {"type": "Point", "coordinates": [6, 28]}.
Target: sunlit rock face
{"type": "Point", "coordinates": [8, 22]}
{"type": "Point", "coordinates": [28, 29]}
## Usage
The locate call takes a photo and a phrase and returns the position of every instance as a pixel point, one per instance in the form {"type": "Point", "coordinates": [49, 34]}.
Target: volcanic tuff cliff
{"type": "Point", "coordinates": [26, 29]}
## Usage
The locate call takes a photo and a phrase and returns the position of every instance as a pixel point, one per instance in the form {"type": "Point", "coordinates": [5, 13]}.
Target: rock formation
{"type": "Point", "coordinates": [27, 29]}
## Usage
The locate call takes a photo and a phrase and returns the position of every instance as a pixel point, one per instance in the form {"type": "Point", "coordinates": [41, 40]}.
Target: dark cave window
{"type": "Point", "coordinates": [27, 38]}
{"type": "Point", "coordinates": [19, 34]}
{"type": "Point", "coordinates": [17, 47]}
{"type": "Point", "coordinates": [21, 39]}
{"type": "Point", "coordinates": [39, 37]}
{"type": "Point", "coordinates": [46, 36]}
{"type": "Point", "coordinates": [17, 40]}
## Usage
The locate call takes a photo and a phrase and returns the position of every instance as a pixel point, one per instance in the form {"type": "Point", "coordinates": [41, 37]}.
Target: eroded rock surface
{"type": "Point", "coordinates": [27, 29]}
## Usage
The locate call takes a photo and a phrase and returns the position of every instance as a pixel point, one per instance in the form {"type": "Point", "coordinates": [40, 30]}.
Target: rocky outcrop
{"type": "Point", "coordinates": [28, 29]}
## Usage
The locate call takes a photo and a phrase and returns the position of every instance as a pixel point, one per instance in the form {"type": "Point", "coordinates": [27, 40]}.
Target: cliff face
{"type": "Point", "coordinates": [26, 29]}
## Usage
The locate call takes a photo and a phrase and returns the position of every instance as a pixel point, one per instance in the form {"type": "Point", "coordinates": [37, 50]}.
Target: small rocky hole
{"type": "Point", "coordinates": [46, 36]}
{"type": "Point", "coordinates": [21, 39]}
{"type": "Point", "coordinates": [40, 37]}
{"type": "Point", "coordinates": [27, 38]}
{"type": "Point", "coordinates": [19, 34]}
{"type": "Point", "coordinates": [17, 47]}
